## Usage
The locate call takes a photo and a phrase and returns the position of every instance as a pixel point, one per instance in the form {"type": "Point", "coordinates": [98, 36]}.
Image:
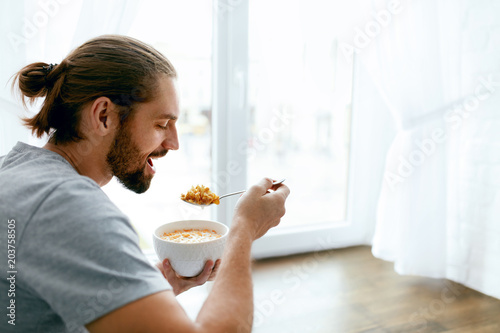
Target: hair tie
{"type": "Point", "coordinates": [48, 68]}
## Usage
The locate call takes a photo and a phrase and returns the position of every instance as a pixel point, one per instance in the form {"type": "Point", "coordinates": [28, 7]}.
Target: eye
{"type": "Point", "coordinates": [163, 127]}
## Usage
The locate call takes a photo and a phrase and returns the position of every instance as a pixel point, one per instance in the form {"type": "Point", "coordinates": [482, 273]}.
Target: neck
{"type": "Point", "coordinates": [87, 163]}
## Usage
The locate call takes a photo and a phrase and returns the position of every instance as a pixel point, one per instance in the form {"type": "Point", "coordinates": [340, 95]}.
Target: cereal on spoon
{"type": "Point", "coordinates": [200, 195]}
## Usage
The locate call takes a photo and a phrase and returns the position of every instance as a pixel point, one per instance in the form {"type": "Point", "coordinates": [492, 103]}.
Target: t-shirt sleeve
{"type": "Point", "coordinates": [81, 255]}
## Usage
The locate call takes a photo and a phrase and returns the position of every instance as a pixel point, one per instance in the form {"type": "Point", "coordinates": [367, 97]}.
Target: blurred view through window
{"type": "Point", "coordinates": [299, 109]}
{"type": "Point", "coordinates": [300, 105]}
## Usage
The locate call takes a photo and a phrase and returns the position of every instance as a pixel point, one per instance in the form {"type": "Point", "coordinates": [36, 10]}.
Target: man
{"type": "Point", "coordinates": [110, 109]}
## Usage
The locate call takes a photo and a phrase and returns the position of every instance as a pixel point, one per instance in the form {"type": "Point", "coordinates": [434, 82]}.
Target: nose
{"type": "Point", "coordinates": [171, 141]}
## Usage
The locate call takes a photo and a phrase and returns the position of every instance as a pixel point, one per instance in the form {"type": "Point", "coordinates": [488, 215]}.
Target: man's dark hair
{"type": "Point", "coordinates": [121, 68]}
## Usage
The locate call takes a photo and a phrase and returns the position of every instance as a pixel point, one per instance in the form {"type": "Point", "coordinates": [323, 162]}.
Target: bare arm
{"type": "Point", "coordinates": [229, 307]}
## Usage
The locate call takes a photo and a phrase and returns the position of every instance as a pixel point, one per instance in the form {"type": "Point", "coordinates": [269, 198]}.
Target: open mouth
{"type": "Point", "coordinates": [153, 156]}
{"type": "Point", "coordinates": [150, 163]}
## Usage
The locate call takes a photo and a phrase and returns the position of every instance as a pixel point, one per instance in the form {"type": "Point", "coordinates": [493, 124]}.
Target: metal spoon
{"type": "Point", "coordinates": [230, 194]}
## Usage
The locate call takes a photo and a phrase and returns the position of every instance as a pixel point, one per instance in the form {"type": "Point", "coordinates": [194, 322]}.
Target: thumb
{"type": "Point", "coordinates": [168, 272]}
{"type": "Point", "coordinates": [261, 187]}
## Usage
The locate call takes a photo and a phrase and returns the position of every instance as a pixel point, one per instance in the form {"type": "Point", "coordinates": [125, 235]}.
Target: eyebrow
{"type": "Point", "coordinates": [166, 116]}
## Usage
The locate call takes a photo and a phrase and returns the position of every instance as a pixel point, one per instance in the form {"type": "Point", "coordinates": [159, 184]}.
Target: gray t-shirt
{"type": "Point", "coordinates": [74, 255]}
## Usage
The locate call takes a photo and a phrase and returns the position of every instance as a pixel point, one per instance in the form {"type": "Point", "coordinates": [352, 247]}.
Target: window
{"type": "Point", "coordinates": [257, 99]}
{"type": "Point", "coordinates": [264, 92]}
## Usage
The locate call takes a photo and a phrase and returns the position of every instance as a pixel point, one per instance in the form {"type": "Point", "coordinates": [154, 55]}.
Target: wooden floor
{"type": "Point", "coordinates": [348, 290]}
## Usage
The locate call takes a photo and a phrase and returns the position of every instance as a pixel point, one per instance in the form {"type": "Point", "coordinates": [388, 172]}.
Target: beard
{"type": "Point", "coordinates": [125, 163]}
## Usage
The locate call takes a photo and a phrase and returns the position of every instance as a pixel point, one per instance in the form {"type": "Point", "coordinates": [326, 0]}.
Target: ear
{"type": "Point", "coordinates": [103, 119]}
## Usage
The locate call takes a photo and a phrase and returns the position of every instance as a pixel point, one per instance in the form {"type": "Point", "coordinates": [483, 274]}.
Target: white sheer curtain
{"type": "Point", "coordinates": [47, 31]}
{"type": "Point", "coordinates": [437, 66]}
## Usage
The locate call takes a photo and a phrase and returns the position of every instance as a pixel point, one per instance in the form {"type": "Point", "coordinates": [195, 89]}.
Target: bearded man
{"type": "Point", "coordinates": [109, 109]}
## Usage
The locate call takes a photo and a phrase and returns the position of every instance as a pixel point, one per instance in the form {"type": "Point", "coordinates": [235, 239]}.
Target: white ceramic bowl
{"type": "Point", "coordinates": [188, 259]}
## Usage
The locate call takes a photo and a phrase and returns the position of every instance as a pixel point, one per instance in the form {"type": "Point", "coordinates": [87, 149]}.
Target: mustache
{"type": "Point", "coordinates": [159, 154]}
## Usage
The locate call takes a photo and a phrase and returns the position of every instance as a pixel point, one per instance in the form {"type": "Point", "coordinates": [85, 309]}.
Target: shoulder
{"type": "Point", "coordinates": [43, 192]}
{"type": "Point", "coordinates": [79, 205]}
{"type": "Point", "coordinates": [33, 174]}
{"type": "Point", "coordinates": [80, 193]}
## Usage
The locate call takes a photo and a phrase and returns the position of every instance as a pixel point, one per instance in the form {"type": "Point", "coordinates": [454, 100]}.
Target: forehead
{"type": "Point", "coordinates": [165, 102]}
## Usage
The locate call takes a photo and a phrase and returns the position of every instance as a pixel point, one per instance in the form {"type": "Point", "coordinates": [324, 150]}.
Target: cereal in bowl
{"type": "Point", "coordinates": [190, 235]}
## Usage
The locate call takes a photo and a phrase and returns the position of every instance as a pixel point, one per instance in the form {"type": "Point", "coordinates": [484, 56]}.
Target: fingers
{"type": "Point", "coordinates": [180, 283]}
{"type": "Point", "coordinates": [266, 182]}
{"type": "Point", "coordinates": [282, 189]}
{"type": "Point", "coordinates": [265, 186]}
{"type": "Point", "coordinates": [213, 274]}
{"type": "Point", "coordinates": [168, 272]}
{"type": "Point", "coordinates": [205, 274]}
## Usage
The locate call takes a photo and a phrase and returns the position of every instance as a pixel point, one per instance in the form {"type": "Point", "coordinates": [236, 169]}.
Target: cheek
{"type": "Point", "coordinates": [158, 139]}
{"type": "Point", "coordinates": [146, 139]}
{"type": "Point", "coordinates": [150, 142]}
